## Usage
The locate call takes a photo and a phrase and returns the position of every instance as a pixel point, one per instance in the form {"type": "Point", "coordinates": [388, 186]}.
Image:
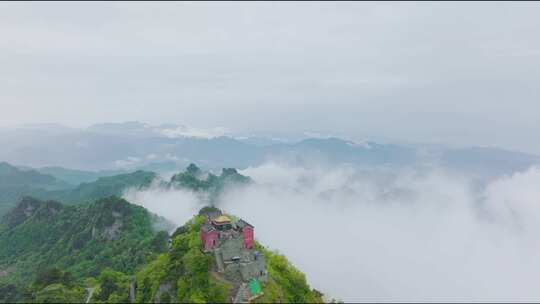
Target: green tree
{"type": "Point", "coordinates": [114, 287]}
{"type": "Point", "coordinates": [58, 293]}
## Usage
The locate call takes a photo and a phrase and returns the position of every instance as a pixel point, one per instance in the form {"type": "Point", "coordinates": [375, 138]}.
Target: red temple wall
{"type": "Point", "coordinates": [249, 238]}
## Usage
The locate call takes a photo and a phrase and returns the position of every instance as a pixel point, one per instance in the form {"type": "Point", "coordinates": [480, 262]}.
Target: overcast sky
{"type": "Point", "coordinates": [457, 73]}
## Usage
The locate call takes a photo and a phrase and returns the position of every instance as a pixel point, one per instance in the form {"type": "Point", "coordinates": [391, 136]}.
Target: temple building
{"type": "Point", "coordinates": [232, 241]}
{"type": "Point", "coordinates": [222, 228]}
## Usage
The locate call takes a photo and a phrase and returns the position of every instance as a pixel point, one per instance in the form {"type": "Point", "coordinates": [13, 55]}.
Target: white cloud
{"type": "Point", "coordinates": [172, 157]}
{"type": "Point", "coordinates": [412, 235]}
{"type": "Point", "coordinates": [130, 161]}
{"type": "Point", "coordinates": [515, 200]}
{"type": "Point", "coordinates": [151, 156]}
{"type": "Point", "coordinates": [416, 236]}
{"type": "Point", "coordinates": [374, 70]}
{"type": "Point", "coordinates": [182, 131]}
{"type": "Point", "coordinates": [363, 144]}
{"type": "Point", "coordinates": [178, 206]}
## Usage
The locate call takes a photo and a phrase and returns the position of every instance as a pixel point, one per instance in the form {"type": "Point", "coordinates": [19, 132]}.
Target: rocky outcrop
{"type": "Point", "coordinates": [28, 207]}
{"type": "Point", "coordinates": [165, 293]}
{"type": "Point", "coordinates": [132, 291]}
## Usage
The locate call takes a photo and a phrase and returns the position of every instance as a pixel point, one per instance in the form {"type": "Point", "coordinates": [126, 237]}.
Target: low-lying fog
{"type": "Point", "coordinates": [382, 235]}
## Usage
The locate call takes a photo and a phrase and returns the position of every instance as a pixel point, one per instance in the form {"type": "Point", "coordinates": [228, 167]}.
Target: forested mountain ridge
{"type": "Point", "coordinates": [16, 183]}
{"type": "Point", "coordinates": [82, 239]}
{"type": "Point", "coordinates": [59, 252]}
{"type": "Point", "coordinates": [195, 179]}
{"type": "Point", "coordinates": [75, 177]}
{"type": "Point", "coordinates": [103, 187]}
{"type": "Point", "coordinates": [109, 252]}
{"type": "Point", "coordinates": [11, 175]}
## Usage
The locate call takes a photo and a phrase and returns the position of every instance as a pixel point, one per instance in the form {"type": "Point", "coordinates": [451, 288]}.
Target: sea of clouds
{"type": "Point", "coordinates": [417, 234]}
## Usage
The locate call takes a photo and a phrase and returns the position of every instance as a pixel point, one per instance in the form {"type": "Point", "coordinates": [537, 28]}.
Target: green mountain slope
{"type": "Point", "coordinates": [110, 251]}
{"type": "Point", "coordinates": [66, 254]}
{"type": "Point", "coordinates": [16, 183]}
{"type": "Point", "coordinates": [186, 274]}
{"type": "Point", "coordinates": [13, 176]}
{"type": "Point", "coordinates": [76, 177]}
{"type": "Point", "coordinates": [83, 239]}
{"type": "Point", "coordinates": [103, 187]}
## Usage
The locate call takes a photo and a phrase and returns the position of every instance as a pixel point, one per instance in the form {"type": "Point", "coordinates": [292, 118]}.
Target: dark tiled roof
{"type": "Point", "coordinates": [207, 227]}
{"type": "Point", "coordinates": [241, 223]}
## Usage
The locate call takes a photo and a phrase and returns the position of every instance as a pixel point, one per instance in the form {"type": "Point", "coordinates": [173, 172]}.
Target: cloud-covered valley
{"type": "Point", "coordinates": [419, 234]}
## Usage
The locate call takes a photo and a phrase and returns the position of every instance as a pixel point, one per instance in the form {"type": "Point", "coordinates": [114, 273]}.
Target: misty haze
{"type": "Point", "coordinates": [269, 152]}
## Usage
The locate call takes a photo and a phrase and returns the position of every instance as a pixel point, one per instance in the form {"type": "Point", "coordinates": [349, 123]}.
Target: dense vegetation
{"type": "Point", "coordinates": [195, 179]}
{"type": "Point", "coordinates": [81, 240]}
{"type": "Point", "coordinates": [287, 284]}
{"type": "Point", "coordinates": [103, 187]}
{"type": "Point", "coordinates": [185, 275]}
{"type": "Point", "coordinates": [16, 183]}
{"type": "Point", "coordinates": [109, 251]}
{"type": "Point", "coordinates": [78, 260]}
{"type": "Point", "coordinates": [182, 274]}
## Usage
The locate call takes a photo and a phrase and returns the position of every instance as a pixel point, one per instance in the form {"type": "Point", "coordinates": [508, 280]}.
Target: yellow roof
{"type": "Point", "coordinates": [222, 219]}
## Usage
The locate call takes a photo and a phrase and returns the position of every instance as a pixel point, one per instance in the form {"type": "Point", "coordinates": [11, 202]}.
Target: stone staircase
{"type": "Point", "coordinates": [242, 294]}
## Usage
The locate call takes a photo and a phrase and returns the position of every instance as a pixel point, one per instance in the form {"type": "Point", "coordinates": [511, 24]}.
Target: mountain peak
{"type": "Point", "coordinates": [193, 169]}
{"type": "Point", "coordinates": [28, 207]}
{"type": "Point", "coordinates": [7, 168]}
{"type": "Point", "coordinates": [204, 267]}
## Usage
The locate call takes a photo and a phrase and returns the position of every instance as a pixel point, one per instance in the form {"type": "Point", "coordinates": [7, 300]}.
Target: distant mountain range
{"type": "Point", "coordinates": [63, 185]}
{"type": "Point", "coordinates": [114, 148]}
{"type": "Point", "coordinates": [15, 183]}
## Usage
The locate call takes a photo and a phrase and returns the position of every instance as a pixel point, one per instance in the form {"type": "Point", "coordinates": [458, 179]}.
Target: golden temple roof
{"type": "Point", "coordinates": [222, 219]}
